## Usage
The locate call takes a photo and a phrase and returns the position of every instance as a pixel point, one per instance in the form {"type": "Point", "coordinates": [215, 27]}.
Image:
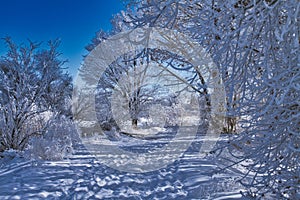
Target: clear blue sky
{"type": "Point", "coordinates": [73, 21]}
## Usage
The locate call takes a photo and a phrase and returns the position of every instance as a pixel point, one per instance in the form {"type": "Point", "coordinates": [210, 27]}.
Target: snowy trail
{"type": "Point", "coordinates": [81, 176]}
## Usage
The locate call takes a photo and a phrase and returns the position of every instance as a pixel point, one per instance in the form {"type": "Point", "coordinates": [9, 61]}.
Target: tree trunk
{"type": "Point", "coordinates": [134, 123]}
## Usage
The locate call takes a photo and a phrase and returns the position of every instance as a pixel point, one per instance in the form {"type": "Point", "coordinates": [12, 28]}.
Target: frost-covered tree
{"type": "Point", "coordinates": [255, 44]}
{"type": "Point", "coordinates": [35, 88]}
{"type": "Point", "coordinates": [271, 130]}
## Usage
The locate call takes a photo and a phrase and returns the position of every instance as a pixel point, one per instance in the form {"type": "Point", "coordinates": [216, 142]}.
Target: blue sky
{"type": "Point", "coordinates": [75, 22]}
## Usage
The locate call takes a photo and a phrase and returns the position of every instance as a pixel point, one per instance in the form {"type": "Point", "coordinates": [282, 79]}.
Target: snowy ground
{"type": "Point", "coordinates": [81, 176]}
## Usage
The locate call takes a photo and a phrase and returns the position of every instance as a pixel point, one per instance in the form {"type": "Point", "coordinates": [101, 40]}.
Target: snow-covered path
{"type": "Point", "coordinates": [81, 176]}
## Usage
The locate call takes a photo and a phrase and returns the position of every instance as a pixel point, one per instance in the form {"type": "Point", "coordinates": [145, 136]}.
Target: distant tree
{"type": "Point", "coordinates": [131, 79]}
{"type": "Point", "coordinates": [135, 67]}
{"type": "Point", "coordinates": [35, 88]}
{"type": "Point", "coordinates": [80, 104]}
{"type": "Point", "coordinates": [128, 77]}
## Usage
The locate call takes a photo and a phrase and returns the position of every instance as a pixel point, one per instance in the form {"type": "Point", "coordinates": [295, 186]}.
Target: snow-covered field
{"type": "Point", "coordinates": [81, 176]}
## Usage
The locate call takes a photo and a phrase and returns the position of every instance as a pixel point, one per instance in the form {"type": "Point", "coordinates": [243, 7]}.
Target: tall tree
{"type": "Point", "coordinates": [255, 44]}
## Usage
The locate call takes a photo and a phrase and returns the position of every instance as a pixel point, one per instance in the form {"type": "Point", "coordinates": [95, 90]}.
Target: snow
{"type": "Point", "coordinates": [81, 176]}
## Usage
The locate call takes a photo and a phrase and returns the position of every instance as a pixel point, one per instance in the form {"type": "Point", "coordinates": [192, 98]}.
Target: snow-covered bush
{"type": "Point", "coordinates": [57, 141]}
